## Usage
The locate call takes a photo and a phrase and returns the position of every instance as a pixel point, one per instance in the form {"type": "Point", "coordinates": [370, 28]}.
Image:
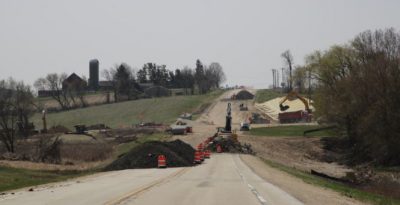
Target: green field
{"type": "Point", "coordinates": [290, 131]}
{"type": "Point", "coordinates": [164, 110]}
{"type": "Point", "coordinates": [12, 178]}
{"type": "Point", "coordinates": [264, 95]}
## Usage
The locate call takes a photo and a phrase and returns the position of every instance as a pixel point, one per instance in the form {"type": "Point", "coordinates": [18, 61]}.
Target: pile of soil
{"type": "Point", "coordinates": [230, 146]}
{"type": "Point", "coordinates": [244, 95]}
{"type": "Point", "coordinates": [58, 129]}
{"type": "Point", "coordinates": [177, 153]}
{"type": "Point", "coordinates": [98, 127]}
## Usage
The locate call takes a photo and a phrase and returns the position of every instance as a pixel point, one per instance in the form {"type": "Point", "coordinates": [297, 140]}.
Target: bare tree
{"type": "Point", "coordinates": [16, 107]}
{"type": "Point", "coordinates": [288, 59]}
{"type": "Point", "coordinates": [217, 73]}
{"type": "Point", "coordinates": [53, 83]}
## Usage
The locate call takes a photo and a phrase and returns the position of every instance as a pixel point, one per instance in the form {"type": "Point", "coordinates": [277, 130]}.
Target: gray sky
{"type": "Point", "coordinates": [246, 37]}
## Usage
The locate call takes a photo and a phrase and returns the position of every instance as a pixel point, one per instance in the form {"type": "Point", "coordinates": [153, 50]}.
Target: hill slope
{"type": "Point", "coordinates": [164, 110]}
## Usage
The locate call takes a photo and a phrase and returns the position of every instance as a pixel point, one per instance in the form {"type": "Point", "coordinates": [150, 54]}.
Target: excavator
{"type": "Point", "coordinates": [226, 132]}
{"type": "Point", "coordinates": [292, 95]}
{"type": "Point", "coordinates": [296, 116]}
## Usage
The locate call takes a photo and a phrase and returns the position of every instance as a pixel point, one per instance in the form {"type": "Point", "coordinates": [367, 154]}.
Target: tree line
{"type": "Point", "coordinates": [357, 88]}
{"type": "Point", "coordinates": [18, 104]}
{"type": "Point", "coordinates": [125, 82]}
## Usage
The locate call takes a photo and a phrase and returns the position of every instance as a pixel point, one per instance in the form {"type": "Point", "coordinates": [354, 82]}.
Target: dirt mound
{"type": "Point", "coordinates": [58, 129]}
{"type": "Point", "coordinates": [98, 127]}
{"type": "Point", "coordinates": [230, 146]}
{"type": "Point", "coordinates": [244, 95]}
{"type": "Point", "coordinates": [178, 154]}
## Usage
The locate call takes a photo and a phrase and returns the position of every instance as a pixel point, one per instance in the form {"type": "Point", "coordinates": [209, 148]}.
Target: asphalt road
{"type": "Point", "coordinates": [223, 179]}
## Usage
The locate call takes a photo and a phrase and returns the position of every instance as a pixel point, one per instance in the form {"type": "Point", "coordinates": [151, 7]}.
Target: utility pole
{"type": "Point", "coordinates": [273, 78]}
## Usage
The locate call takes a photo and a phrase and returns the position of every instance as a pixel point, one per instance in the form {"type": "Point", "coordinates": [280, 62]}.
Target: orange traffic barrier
{"type": "Point", "coordinates": [197, 157]}
{"type": "Point", "coordinates": [219, 148]}
{"type": "Point", "coordinates": [202, 156]}
{"type": "Point", "coordinates": [207, 154]}
{"type": "Point", "coordinates": [200, 147]}
{"type": "Point", "coordinates": [162, 161]}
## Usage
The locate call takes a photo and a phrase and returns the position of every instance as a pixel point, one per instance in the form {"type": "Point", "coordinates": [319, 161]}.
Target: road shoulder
{"type": "Point", "coordinates": [306, 193]}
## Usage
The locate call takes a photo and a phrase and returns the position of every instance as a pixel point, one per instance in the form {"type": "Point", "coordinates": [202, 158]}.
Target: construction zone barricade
{"type": "Point", "coordinates": [162, 161]}
{"type": "Point", "coordinates": [202, 156]}
{"type": "Point", "coordinates": [197, 157]}
{"type": "Point", "coordinates": [207, 154]}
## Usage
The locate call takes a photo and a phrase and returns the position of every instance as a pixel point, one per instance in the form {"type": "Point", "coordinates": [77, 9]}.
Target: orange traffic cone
{"type": "Point", "coordinates": [219, 149]}
{"type": "Point", "coordinates": [197, 158]}
{"type": "Point", "coordinates": [207, 154]}
{"type": "Point", "coordinates": [202, 156]}
{"type": "Point", "coordinates": [200, 147]}
{"type": "Point", "coordinates": [162, 161]}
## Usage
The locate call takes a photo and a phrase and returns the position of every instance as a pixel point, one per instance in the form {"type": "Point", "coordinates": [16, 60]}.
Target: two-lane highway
{"type": "Point", "coordinates": [223, 179]}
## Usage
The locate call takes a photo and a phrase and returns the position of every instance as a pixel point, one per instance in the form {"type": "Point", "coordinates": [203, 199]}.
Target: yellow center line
{"type": "Point", "coordinates": [146, 187]}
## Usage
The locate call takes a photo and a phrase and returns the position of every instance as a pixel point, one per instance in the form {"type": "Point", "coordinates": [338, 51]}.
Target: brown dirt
{"type": "Point", "coordinates": [306, 193]}
{"type": "Point", "coordinates": [303, 153]}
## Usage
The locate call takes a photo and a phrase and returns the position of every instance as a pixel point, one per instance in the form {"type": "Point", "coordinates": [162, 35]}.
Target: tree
{"type": "Point", "coordinates": [53, 83]}
{"type": "Point", "coordinates": [188, 80]}
{"type": "Point", "coordinates": [123, 81]}
{"type": "Point", "coordinates": [288, 60]}
{"type": "Point", "coordinates": [358, 90]}
{"type": "Point", "coordinates": [217, 74]}
{"type": "Point", "coordinates": [300, 78]}
{"type": "Point", "coordinates": [16, 107]}
{"type": "Point", "coordinates": [200, 77]}
{"type": "Point", "coordinates": [142, 75]}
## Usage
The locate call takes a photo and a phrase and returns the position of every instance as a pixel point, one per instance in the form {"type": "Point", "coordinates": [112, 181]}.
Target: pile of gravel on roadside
{"type": "Point", "coordinates": [177, 153]}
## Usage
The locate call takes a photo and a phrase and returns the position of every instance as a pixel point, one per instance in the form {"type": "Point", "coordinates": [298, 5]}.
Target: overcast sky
{"type": "Point", "coordinates": [246, 37]}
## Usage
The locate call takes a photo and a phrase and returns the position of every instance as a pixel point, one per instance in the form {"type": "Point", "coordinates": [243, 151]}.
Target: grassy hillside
{"type": "Point", "coordinates": [164, 110]}
{"type": "Point", "coordinates": [264, 95]}
{"type": "Point", "coordinates": [12, 178]}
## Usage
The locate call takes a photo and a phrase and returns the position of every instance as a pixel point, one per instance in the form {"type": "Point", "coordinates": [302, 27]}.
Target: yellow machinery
{"type": "Point", "coordinates": [292, 95]}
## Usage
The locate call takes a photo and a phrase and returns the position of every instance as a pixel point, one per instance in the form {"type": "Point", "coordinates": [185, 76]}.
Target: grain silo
{"type": "Point", "coordinates": [94, 74]}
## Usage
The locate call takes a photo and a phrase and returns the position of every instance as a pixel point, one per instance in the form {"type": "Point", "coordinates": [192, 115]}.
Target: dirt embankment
{"type": "Point", "coordinates": [304, 153]}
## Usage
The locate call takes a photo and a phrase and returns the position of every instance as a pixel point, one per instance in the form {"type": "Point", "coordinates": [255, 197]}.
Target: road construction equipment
{"type": "Point", "coordinates": [244, 126]}
{"type": "Point", "coordinates": [243, 107]}
{"type": "Point", "coordinates": [292, 95]}
{"type": "Point", "coordinates": [228, 122]}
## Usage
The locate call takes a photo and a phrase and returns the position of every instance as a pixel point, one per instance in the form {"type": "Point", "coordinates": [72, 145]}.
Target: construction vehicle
{"type": "Point", "coordinates": [296, 116]}
{"type": "Point", "coordinates": [244, 126]}
{"type": "Point", "coordinates": [243, 107]}
{"type": "Point", "coordinates": [293, 95]}
{"type": "Point", "coordinates": [226, 132]}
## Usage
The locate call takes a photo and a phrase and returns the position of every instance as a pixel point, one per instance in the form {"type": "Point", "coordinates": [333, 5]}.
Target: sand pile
{"type": "Point", "coordinates": [271, 107]}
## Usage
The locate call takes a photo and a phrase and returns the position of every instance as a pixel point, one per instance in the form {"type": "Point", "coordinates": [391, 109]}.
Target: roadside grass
{"type": "Point", "coordinates": [290, 131]}
{"type": "Point", "coordinates": [13, 178]}
{"type": "Point", "coordinates": [335, 186]}
{"type": "Point", "coordinates": [163, 110]}
{"type": "Point", "coordinates": [264, 95]}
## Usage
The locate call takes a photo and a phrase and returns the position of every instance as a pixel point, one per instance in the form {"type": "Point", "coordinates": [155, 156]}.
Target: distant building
{"type": "Point", "coordinates": [74, 81]}
{"type": "Point", "coordinates": [94, 74]}
{"type": "Point", "coordinates": [105, 85]}
{"type": "Point", "coordinates": [47, 93]}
